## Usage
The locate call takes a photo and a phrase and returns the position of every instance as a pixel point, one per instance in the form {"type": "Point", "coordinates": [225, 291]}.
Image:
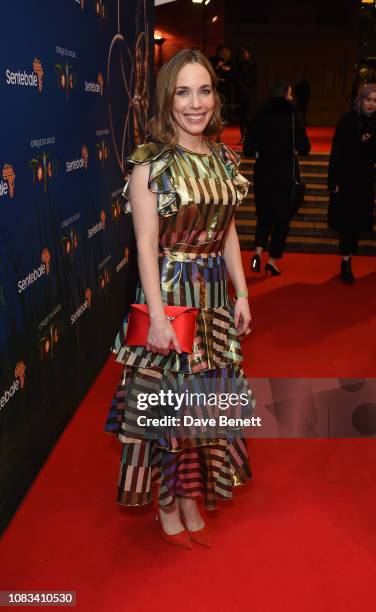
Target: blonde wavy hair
{"type": "Point", "coordinates": [162, 124]}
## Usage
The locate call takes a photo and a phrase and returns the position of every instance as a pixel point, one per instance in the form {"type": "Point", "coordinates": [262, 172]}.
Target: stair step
{"type": "Point", "coordinates": [309, 161]}
{"type": "Point", "coordinates": [309, 232]}
{"type": "Point", "coordinates": [315, 240]}
{"type": "Point", "coordinates": [295, 244]}
{"type": "Point", "coordinates": [304, 231]}
{"type": "Point", "coordinates": [303, 210]}
{"type": "Point", "coordinates": [297, 223]}
{"type": "Point", "coordinates": [312, 217]}
{"type": "Point", "coordinates": [308, 198]}
{"type": "Point", "coordinates": [315, 180]}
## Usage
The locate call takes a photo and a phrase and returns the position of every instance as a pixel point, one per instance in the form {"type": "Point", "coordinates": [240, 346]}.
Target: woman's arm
{"type": "Point", "coordinates": [233, 260]}
{"type": "Point", "coordinates": [146, 226]}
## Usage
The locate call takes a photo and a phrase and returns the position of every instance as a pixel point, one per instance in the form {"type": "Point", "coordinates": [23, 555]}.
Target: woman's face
{"type": "Point", "coordinates": [193, 103]}
{"type": "Point", "coordinates": [369, 104]}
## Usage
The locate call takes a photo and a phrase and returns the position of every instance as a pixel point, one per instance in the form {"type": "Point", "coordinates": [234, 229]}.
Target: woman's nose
{"type": "Point", "coordinates": [195, 100]}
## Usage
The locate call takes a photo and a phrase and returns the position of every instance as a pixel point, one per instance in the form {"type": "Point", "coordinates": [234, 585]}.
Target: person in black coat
{"type": "Point", "coordinates": [270, 138]}
{"type": "Point", "coordinates": [247, 89]}
{"type": "Point", "coordinates": [302, 92]}
{"type": "Point", "coordinates": [352, 175]}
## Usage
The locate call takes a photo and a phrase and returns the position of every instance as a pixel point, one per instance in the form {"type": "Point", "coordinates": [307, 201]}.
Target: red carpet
{"type": "Point", "coordinates": [300, 537]}
{"type": "Point", "coordinates": [306, 323]}
{"type": "Point", "coordinates": [320, 137]}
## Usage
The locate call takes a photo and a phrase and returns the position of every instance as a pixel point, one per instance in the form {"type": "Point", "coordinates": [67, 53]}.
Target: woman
{"type": "Point", "coordinates": [351, 177]}
{"type": "Point", "coordinates": [182, 192]}
{"type": "Point", "coordinates": [275, 134]}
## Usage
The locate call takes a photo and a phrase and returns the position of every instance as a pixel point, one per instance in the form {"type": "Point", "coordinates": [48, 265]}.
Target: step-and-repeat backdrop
{"type": "Point", "coordinates": [75, 92]}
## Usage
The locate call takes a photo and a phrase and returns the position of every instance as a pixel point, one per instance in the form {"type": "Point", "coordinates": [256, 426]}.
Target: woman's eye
{"type": "Point", "coordinates": [181, 92]}
{"type": "Point", "coordinates": [206, 91]}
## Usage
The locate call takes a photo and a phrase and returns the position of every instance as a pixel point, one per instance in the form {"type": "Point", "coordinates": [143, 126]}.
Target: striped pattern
{"type": "Point", "coordinates": [125, 411]}
{"type": "Point", "coordinates": [196, 198]}
{"type": "Point", "coordinates": [209, 471]}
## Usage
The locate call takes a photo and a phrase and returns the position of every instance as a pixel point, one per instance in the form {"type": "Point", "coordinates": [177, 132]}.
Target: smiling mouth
{"type": "Point", "coordinates": [195, 118]}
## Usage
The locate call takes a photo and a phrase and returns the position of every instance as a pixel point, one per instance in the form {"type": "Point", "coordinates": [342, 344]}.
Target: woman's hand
{"type": "Point", "coordinates": [161, 337]}
{"type": "Point", "coordinates": [336, 190]}
{"type": "Point", "coordinates": [242, 316]}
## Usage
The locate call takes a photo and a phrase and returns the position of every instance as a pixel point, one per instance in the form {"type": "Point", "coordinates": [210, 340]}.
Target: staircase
{"type": "Point", "coordinates": [309, 232]}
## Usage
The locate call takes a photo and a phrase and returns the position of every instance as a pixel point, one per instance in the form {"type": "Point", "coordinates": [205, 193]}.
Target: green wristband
{"type": "Point", "coordinates": [242, 294]}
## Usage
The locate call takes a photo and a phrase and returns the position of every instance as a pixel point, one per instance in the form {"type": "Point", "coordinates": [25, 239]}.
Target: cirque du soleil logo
{"type": "Point", "coordinates": [51, 329]}
{"type": "Point", "coordinates": [70, 242]}
{"type": "Point", "coordinates": [66, 78]}
{"type": "Point", "coordinates": [17, 384]}
{"type": "Point", "coordinates": [103, 151]}
{"type": "Point", "coordinates": [7, 181]}
{"type": "Point", "coordinates": [104, 279]}
{"type": "Point", "coordinates": [49, 342]}
{"type": "Point", "coordinates": [44, 168]}
{"type": "Point", "coordinates": [116, 209]}
{"type": "Point", "coordinates": [27, 79]}
{"type": "Point", "coordinates": [100, 9]}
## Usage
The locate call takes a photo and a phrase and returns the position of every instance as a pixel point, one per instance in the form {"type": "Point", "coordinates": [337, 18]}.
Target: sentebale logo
{"type": "Point", "coordinates": [84, 306]}
{"type": "Point", "coordinates": [17, 384]}
{"type": "Point", "coordinates": [95, 87]}
{"type": "Point", "coordinates": [37, 273]}
{"type": "Point", "coordinates": [26, 79]}
{"type": "Point", "coordinates": [79, 162]}
{"type": "Point", "coordinates": [7, 182]}
{"type": "Point", "coordinates": [37, 67]}
{"type": "Point", "coordinates": [124, 261]}
{"type": "Point", "coordinates": [98, 227]}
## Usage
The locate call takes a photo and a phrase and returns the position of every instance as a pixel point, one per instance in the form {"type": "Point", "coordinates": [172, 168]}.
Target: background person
{"type": "Point", "coordinates": [223, 68]}
{"type": "Point", "coordinates": [270, 138]}
{"type": "Point", "coordinates": [352, 175]}
{"type": "Point", "coordinates": [302, 93]}
{"type": "Point", "coordinates": [247, 89]}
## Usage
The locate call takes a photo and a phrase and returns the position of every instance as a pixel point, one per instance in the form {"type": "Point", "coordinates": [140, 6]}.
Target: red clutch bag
{"type": "Point", "coordinates": [182, 319]}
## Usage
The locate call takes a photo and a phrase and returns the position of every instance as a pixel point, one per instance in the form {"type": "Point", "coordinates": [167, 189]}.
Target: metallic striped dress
{"type": "Point", "coordinates": [196, 198]}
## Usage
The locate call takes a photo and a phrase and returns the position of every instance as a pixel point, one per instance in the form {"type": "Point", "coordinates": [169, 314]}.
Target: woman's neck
{"type": "Point", "coordinates": [196, 144]}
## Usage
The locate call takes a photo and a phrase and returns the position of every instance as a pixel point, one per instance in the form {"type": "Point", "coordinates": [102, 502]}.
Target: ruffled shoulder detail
{"type": "Point", "coordinates": [159, 156]}
{"type": "Point", "coordinates": [232, 161]}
